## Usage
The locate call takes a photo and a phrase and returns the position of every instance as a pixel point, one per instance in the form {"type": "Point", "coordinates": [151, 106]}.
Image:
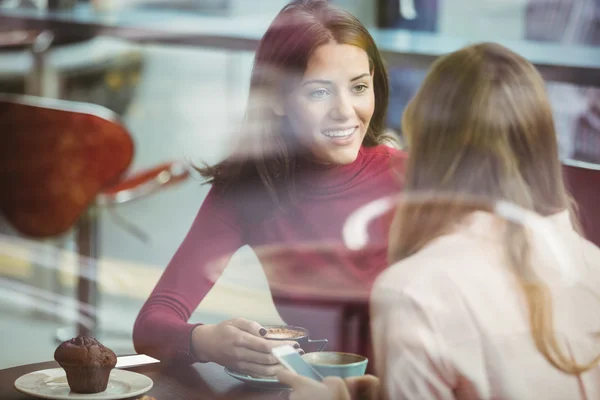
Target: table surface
{"type": "Point", "coordinates": [194, 382]}
{"type": "Point", "coordinates": [557, 62]}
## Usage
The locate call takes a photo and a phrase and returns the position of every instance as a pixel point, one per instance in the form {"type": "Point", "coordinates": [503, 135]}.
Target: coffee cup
{"type": "Point", "coordinates": [333, 363]}
{"type": "Point", "coordinates": [294, 333]}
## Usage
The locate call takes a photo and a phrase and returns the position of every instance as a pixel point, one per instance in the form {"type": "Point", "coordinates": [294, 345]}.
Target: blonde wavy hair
{"type": "Point", "coordinates": [481, 125]}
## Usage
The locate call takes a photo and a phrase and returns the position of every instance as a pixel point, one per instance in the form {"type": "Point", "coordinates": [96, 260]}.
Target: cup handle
{"type": "Point", "coordinates": [322, 343]}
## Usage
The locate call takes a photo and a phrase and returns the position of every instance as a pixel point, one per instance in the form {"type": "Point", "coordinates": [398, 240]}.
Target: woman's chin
{"type": "Point", "coordinates": [341, 156]}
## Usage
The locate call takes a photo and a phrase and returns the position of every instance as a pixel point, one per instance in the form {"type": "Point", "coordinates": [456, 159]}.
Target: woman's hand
{"type": "Point", "coordinates": [309, 389]}
{"type": "Point", "coordinates": [238, 344]}
{"type": "Point", "coordinates": [332, 388]}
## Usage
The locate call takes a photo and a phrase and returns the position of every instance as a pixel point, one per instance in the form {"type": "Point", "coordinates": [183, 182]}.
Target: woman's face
{"type": "Point", "coordinates": [331, 108]}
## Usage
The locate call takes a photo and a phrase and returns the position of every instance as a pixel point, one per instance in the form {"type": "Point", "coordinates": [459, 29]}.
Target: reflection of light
{"type": "Point", "coordinates": [539, 225]}
{"type": "Point", "coordinates": [46, 256]}
{"type": "Point", "coordinates": [163, 177]}
{"type": "Point", "coordinates": [356, 236]}
{"type": "Point", "coordinates": [407, 9]}
{"type": "Point", "coordinates": [354, 232]}
{"type": "Point", "coordinates": [21, 294]}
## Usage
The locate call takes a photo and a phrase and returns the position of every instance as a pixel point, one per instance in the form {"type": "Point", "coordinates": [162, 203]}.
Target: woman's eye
{"type": "Point", "coordinates": [319, 93]}
{"type": "Point", "coordinates": [360, 88]}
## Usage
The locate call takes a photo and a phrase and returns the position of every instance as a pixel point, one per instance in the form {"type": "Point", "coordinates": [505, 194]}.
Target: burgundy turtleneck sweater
{"type": "Point", "coordinates": [299, 245]}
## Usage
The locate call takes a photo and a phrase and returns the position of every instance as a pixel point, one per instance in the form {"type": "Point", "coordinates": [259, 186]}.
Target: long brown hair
{"type": "Point", "coordinates": [266, 153]}
{"type": "Point", "coordinates": [481, 126]}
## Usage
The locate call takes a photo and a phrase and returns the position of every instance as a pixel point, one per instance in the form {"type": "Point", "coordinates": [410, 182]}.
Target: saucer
{"type": "Point", "coordinates": [52, 384]}
{"type": "Point", "coordinates": [260, 383]}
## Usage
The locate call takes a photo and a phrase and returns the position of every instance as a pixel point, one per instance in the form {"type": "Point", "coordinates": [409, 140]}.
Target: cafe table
{"type": "Point", "coordinates": [171, 382]}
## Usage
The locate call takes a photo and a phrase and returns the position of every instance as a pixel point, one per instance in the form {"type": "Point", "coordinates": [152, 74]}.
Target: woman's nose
{"type": "Point", "coordinates": [342, 108]}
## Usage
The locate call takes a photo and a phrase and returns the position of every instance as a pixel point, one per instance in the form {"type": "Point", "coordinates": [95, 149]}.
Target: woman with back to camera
{"type": "Point", "coordinates": [474, 306]}
{"type": "Point", "coordinates": [316, 111]}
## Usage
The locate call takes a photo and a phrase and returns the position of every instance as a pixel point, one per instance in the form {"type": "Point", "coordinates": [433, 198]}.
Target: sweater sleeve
{"type": "Point", "coordinates": [162, 330]}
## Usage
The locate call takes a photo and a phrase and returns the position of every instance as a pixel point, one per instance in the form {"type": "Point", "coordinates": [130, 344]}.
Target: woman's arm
{"type": "Point", "coordinates": [162, 329]}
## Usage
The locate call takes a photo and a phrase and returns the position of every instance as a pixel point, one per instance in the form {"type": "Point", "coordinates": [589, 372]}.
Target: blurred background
{"type": "Point", "coordinates": [174, 74]}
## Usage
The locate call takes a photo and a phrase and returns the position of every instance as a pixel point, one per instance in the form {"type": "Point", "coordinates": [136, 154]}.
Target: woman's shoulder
{"type": "Point", "coordinates": [383, 151]}
{"type": "Point", "coordinates": [416, 270]}
{"type": "Point", "coordinates": [447, 262]}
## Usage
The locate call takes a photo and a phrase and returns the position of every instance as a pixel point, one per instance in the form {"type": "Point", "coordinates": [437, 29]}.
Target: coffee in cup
{"type": "Point", "coordinates": [296, 334]}
{"type": "Point", "coordinates": [283, 333]}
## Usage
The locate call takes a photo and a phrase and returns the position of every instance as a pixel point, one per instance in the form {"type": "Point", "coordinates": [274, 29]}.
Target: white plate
{"type": "Point", "coordinates": [257, 382]}
{"type": "Point", "coordinates": [52, 384]}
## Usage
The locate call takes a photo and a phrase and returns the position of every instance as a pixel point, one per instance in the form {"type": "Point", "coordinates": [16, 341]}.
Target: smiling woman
{"type": "Point", "coordinates": [304, 72]}
{"type": "Point", "coordinates": [309, 155]}
{"type": "Point", "coordinates": [331, 109]}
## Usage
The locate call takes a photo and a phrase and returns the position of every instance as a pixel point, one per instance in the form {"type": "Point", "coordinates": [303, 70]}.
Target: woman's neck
{"type": "Point", "coordinates": [314, 174]}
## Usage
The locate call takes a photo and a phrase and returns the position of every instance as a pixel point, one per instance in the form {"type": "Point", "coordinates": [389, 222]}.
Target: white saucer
{"type": "Point", "coordinates": [52, 384]}
{"type": "Point", "coordinates": [257, 382]}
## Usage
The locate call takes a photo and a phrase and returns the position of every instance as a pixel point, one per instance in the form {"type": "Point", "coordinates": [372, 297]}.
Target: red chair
{"type": "Point", "coordinates": [583, 181]}
{"type": "Point", "coordinates": [59, 162]}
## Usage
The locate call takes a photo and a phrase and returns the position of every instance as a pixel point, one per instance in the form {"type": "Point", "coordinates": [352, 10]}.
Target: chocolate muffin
{"type": "Point", "coordinates": [87, 363]}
